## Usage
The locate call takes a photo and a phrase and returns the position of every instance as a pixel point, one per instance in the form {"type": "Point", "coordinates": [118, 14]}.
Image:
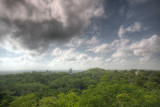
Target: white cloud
{"type": "Point", "coordinates": [121, 53]}
{"type": "Point", "coordinates": [57, 52]}
{"type": "Point", "coordinates": [120, 43]}
{"type": "Point", "coordinates": [121, 32]}
{"type": "Point", "coordinates": [118, 46]}
{"type": "Point", "coordinates": [92, 41]}
{"type": "Point", "coordinates": [121, 48]}
{"type": "Point", "coordinates": [146, 47]}
{"type": "Point", "coordinates": [68, 55]}
{"type": "Point", "coordinates": [133, 28]}
{"type": "Point", "coordinates": [74, 59]}
{"type": "Point", "coordinates": [99, 11]}
{"type": "Point", "coordinates": [77, 41]}
{"type": "Point", "coordinates": [101, 49]}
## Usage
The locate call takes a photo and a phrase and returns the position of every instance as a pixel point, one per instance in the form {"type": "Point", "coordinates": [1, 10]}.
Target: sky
{"type": "Point", "coordinates": [81, 34]}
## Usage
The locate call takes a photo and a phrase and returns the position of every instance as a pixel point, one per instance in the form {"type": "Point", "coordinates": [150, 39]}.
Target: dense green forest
{"type": "Point", "coordinates": [92, 88]}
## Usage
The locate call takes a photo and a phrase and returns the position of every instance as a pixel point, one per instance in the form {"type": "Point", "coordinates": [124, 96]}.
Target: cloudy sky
{"type": "Point", "coordinates": [59, 34]}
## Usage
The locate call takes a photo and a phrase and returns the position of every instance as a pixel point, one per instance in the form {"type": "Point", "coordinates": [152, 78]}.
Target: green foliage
{"type": "Point", "coordinates": [29, 100]}
{"type": "Point", "coordinates": [92, 88]}
{"type": "Point", "coordinates": [47, 102]}
{"type": "Point", "coordinates": [123, 100]}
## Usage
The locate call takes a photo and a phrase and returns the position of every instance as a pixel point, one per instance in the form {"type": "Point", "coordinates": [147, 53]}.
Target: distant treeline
{"type": "Point", "coordinates": [92, 88]}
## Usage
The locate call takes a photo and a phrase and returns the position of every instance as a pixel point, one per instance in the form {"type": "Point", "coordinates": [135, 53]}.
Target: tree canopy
{"type": "Point", "coordinates": [91, 88]}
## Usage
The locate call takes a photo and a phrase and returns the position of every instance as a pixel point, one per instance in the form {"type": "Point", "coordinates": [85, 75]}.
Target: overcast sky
{"type": "Point", "coordinates": [82, 34]}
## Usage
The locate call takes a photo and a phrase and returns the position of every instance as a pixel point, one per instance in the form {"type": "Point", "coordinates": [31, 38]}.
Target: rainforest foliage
{"type": "Point", "coordinates": [92, 88]}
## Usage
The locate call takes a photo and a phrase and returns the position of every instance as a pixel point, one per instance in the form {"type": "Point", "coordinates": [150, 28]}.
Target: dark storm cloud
{"type": "Point", "coordinates": [35, 25]}
{"type": "Point", "coordinates": [12, 4]}
{"type": "Point", "coordinates": [39, 35]}
{"type": "Point", "coordinates": [10, 7]}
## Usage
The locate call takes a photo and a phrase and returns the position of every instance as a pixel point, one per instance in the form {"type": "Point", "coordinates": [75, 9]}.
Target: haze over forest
{"type": "Point", "coordinates": [82, 34]}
